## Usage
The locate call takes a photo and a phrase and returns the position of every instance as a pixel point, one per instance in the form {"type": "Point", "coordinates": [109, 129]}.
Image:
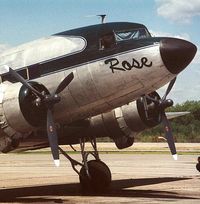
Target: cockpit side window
{"type": "Point", "coordinates": [107, 41]}
{"type": "Point", "coordinates": [131, 34]}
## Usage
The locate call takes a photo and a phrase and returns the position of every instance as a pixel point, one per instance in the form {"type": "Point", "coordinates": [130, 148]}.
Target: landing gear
{"type": "Point", "coordinates": [198, 164]}
{"type": "Point", "coordinates": [94, 175]}
{"type": "Point", "coordinates": [99, 176]}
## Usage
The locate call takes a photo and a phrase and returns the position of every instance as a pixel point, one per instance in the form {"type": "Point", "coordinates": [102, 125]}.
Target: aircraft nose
{"type": "Point", "coordinates": [176, 54]}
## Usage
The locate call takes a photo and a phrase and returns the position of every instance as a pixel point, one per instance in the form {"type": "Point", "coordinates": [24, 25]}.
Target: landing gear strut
{"type": "Point", "coordinates": [94, 175]}
{"type": "Point", "coordinates": [198, 164]}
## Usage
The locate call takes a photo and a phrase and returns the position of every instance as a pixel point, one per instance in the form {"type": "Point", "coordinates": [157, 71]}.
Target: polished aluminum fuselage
{"type": "Point", "coordinates": [95, 89]}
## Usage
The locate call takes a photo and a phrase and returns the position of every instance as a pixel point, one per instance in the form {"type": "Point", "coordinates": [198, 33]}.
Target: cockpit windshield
{"type": "Point", "coordinates": [131, 34]}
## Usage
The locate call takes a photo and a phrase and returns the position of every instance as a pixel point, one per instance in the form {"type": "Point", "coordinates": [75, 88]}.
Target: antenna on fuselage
{"type": "Point", "coordinates": [103, 17]}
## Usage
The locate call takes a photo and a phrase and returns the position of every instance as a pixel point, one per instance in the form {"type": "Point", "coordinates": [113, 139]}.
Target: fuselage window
{"type": "Point", "coordinates": [107, 41]}
{"type": "Point", "coordinates": [131, 34]}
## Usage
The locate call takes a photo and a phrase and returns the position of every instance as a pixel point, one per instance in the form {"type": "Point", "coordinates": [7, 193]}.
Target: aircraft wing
{"type": "Point", "coordinates": [38, 141]}
{"type": "Point", "coordinates": [171, 115]}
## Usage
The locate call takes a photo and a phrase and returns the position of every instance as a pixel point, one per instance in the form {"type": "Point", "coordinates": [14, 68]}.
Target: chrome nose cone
{"type": "Point", "coordinates": [176, 54]}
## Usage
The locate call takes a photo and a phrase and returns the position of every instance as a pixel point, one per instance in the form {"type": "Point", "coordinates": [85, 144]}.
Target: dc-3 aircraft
{"type": "Point", "coordinates": [87, 83]}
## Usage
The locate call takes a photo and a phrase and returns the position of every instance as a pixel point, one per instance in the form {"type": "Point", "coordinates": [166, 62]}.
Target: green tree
{"type": "Point", "coordinates": [185, 128]}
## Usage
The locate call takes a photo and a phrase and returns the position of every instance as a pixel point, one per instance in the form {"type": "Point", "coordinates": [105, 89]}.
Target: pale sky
{"type": "Point", "coordinates": [25, 20]}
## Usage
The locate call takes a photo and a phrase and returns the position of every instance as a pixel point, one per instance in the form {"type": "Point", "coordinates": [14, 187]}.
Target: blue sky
{"type": "Point", "coordinates": [25, 20]}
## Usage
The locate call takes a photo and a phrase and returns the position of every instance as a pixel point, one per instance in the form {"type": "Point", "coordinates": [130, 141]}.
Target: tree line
{"type": "Point", "coordinates": [185, 128]}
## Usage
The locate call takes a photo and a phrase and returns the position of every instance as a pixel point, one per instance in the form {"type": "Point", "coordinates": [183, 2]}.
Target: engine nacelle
{"type": "Point", "coordinates": [124, 123]}
{"type": "Point", "coordinates": [12, 109]}
{"type": "Point", "coordinates": [14, 127]}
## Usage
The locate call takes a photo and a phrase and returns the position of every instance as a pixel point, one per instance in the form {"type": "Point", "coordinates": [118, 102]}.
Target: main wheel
{"type": "Point", "coordinates": [198, 166]}
{"type": "Point", "coordinates": [100, 177]}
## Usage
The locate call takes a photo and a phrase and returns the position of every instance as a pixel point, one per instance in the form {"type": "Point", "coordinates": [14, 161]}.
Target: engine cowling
{"type": "Point", "coordinates": [124, 123]}
{"type": "Point", "coordinates": [13, 124]}
{"type": "Point", "coordinates": [34, 114]}
{"type": "Point", "coordinates": [19, 115]}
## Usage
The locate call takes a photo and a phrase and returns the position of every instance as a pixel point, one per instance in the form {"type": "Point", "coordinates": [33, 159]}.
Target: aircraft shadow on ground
{"type": "Point", "coordinates": [119, 188]}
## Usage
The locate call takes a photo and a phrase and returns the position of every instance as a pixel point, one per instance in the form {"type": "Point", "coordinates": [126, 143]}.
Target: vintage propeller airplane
{"type": "Point", "coordinates": [86, 83]}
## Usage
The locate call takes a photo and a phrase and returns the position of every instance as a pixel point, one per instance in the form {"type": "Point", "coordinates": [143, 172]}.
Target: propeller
{"type": "Point", "coordinates": [49, 100]}
{"type": "Point", "coordinates": [162, 104]}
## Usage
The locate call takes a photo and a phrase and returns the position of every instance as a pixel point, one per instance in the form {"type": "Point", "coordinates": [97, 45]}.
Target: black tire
{"type": "Point", "coordinates": [100, 177]}
{"type": "Point", "coordinates": [198, 167]}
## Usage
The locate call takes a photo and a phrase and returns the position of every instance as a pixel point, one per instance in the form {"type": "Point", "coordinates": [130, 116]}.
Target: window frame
{"type": "Point", "coordinates": [129, 30]}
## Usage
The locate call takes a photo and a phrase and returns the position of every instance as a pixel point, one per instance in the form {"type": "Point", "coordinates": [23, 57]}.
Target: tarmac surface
{"type": "Point", "coordinates": [136, 178]}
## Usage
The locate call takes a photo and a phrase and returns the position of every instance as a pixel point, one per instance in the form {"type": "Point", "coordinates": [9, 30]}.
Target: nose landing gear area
{"type": "Point", "coordinates": [94, 175]}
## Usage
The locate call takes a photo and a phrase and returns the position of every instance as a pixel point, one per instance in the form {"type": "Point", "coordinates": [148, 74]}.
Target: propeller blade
{"type": "Point", "coordinates": [169, 135]}
{"type": "Point", "coordinates": [23, 81]}
{"type": "Point", "coordinates": [52, 136]}
{"type": "Point", "coordinates": [67, 80]}
{"type": "Point", "coordinates": [171, 84]}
